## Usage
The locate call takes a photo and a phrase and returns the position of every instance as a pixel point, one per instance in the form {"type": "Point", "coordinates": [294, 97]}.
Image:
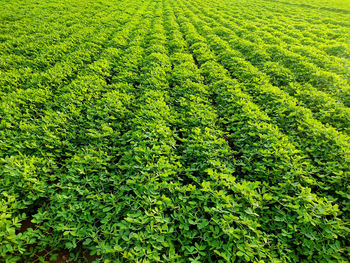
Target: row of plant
{"type": "Point", "coordinates": [48, 134]}
{"type": "Point", "coordinates": [16, 106]}
{"type": "Point", "coordinates": [118, 191]}
{"type": "Point", "coordinates": [23, 35]}
{"type": "Point", "coordinates": [321, 18]}
{"type": "Point", "coordinates": [328, 35]}
{"type": "Point", "coordinates": [278, 171]}
{"type": "Point", "coordinates": [152, 137]}
{"type": "Point", "coordinates": [21, 59]}
{"type": "Point", "coordinates": [260, 52]}
{"type": "Point", "coordinates": [212, 223]}
{"type": "Point", "coordinates": [331, 5]}
{"type": "Point", "coordinates": [59, 65]}
{"type": "Point", "coordinates": [327, 148]}
{"type": "Point", "coordinates": [290, 34]}
{"type": "Point", "coordinates": [294, 42]}
{"type": "Point", "coordinates": [325, 108]}
{"type": "Point", "coordinates": [148, 164]}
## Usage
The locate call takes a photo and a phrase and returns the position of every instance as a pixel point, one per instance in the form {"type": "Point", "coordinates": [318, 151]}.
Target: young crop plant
{"type": "Point", "coordinates": [174, 131]}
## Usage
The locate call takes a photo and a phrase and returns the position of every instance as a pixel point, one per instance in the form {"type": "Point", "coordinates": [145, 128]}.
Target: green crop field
{"type": "Point", "coordinates": [175, 131]}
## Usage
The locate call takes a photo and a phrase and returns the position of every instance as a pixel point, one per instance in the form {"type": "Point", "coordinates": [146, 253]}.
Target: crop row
{"type": "Point", "coordinates": [164, 131]}
{"type": "Point", "coordinates": [327, 148]}
{"type": "Point", "coordinates": [46, 131]}
{"type": "Point", "coordinates": [326, 108]}
{"type": "Point", "coordinates": [60, 61]}
{"type": "Point", "coordinates": [326, 32]}
{"type": "Point", "coordinates": [258, 34]}
{"type": "Point", "coordinates": [268, 135]}
{"type": "Point", "coordinates": [259, 53]}
{"type": "Point", "coordinates": [248, 26]}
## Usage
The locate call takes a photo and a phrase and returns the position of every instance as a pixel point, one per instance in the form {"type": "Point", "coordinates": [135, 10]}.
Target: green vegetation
{"type": "Point", "coordinates": [175, 131]}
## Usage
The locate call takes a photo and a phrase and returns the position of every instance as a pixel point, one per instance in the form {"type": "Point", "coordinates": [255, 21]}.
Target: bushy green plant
{"type": "Point", "coordinates": [174, 131]}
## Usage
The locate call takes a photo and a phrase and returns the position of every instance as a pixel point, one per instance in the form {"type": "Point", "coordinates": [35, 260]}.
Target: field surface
{"type": "Point", "coordinates": [175, 131]}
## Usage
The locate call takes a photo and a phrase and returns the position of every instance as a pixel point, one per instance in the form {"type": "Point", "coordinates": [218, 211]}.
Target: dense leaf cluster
{"type": "Point", "coordinates": [174, 131]}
